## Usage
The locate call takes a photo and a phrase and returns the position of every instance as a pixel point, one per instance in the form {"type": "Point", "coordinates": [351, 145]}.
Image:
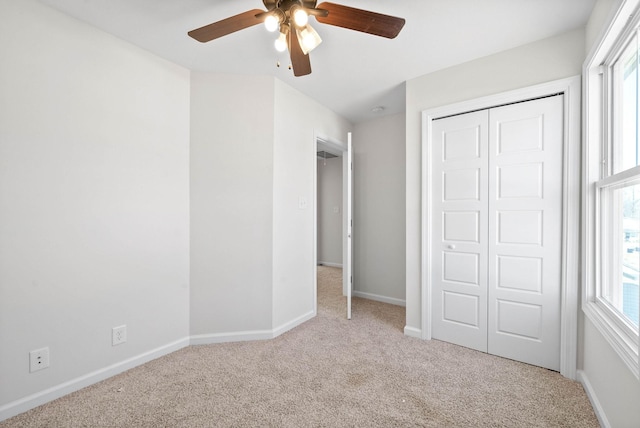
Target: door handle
{"type": "Point", "coordinates": [451, 247]}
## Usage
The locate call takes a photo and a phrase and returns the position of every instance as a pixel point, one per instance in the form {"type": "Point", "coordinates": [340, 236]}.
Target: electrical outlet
{"type": "Point", "coordinates": [302, 203]}
{"type": "Point", "coordinates": [118, 335]}
{"type": "Point", "coordinates": [38, 359]}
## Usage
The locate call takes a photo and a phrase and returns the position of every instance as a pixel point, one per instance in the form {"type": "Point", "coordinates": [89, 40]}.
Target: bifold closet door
{"type": "Point", "coordinates": [525, 231]}
{"type": "Point", "coordinates": [496, 231]}
{"type": "Point", "coordinates": [460, 218]}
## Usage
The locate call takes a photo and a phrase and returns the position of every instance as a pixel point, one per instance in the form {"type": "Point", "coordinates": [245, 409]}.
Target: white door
{"type": "Point", "coordinates": [525, 230]}
{"type": "Point", "coordinates": [497, 207]}
{"type": "Point", "coordinates": [460, 205]}
{"type": "Point", "coordinates": [348, 269]}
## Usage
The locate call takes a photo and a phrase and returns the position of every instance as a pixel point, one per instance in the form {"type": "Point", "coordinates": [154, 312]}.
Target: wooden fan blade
{"type": "Point", "coordinates": [299, 60]}
{"type": "Point", "coordinates": [226, 26]}
{"type": "Point", "coordinates": [361, 20]}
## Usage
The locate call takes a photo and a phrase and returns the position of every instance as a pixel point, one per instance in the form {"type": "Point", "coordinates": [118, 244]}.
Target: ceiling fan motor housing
{"type": "Point", "coordinates": [284, 10]}
{"type": "Point", "coordinates": [286, 4]}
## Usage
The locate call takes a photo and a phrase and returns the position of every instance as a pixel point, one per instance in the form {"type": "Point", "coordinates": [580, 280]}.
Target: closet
{"type": "Point", "coordinates": [497, 230]}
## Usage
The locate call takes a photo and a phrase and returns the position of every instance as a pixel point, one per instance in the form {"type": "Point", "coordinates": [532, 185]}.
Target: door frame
{"type": "Point", "coordinates": [336, 146]}
{"type": "Point", "coordinates": [570, 285]}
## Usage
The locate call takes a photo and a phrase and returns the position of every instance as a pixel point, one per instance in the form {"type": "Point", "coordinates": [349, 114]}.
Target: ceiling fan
{"type": "Point", "coordinates": [291, 18]}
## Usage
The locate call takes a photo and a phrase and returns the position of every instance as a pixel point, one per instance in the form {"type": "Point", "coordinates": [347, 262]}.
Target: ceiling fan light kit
{"type": "Point", "coordinates": [281, 44]}
{"type": "Point", "coordinates": [309, 39]}
{"type": "Point", "coordinates": [300, 17]}
{"type": "Point", "coordinates": [291, 17]}
{"type": "Point", "coordinates": [271, 23]}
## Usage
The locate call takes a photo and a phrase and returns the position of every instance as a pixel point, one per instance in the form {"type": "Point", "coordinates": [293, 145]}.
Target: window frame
{"type": "Point", "coordinates": [604, 249]}
{"type": "Point", "coordinates": [599, 176]}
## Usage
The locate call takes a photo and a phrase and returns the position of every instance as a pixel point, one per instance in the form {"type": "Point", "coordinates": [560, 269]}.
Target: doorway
{"type": "Point", "coordinates": [336, 211]}
{"type": "Point", "coordinates": [329, 207]}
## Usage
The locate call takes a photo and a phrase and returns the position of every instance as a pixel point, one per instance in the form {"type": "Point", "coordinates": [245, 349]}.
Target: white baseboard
{"type": "Point", "coordinates": [595, 403]}
{"type": "Point", "coordinates": [236, 336]}
{"type": "Point", "coordinates": [27, 403]}
{"type": "Point", "coordinates": [412, 332]}
{"type": "Point", "coordinates": [243, 336]}
{"type": "Point", "coordinates": [330, 264]}
{"type": "Point", "coordinates": [378, 298]}
{"type": "Point", "coordinates": [292, 324]}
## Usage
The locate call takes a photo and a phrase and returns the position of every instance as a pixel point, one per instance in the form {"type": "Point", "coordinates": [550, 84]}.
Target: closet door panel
{"type": "Point", "coordinates": [459, 230]}
{"type": "Point", "coordinates": [525, 218]}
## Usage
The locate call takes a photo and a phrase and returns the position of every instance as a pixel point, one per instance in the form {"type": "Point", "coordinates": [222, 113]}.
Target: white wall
{"type": "Point", "coordinates": [379, 217]}
{"type": "Point", "coordinates": [294, 155]}
{"type": "Point", "coordinates": [252, 249]}
{"type": "Point", "coordinates": [546, 60]}
{"type": "Point", "coordinates": [94, 199]}
{"type": "Point", "coordinates": [599, 18]}
{"type": "Point", "coordinates": [231, 203]}
{"type": "Point", "coordinates": [614, 387]}
{"type": "Point", "coordinates": [329, 221]}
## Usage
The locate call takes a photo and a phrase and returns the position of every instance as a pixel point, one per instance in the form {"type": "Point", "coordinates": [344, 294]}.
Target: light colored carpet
{"type": "Point", "coordinates": [329, 372]}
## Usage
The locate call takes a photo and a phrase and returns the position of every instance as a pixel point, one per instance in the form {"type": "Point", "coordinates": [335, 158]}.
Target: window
{"type": "Point", "coordinates": [624, 105]}
{"type": "Point", "coordinates": [619, 204]}
{"type": "Point", "coordinates": [619, 188]}
{"type": "Point", "coordinates": [612, 210]}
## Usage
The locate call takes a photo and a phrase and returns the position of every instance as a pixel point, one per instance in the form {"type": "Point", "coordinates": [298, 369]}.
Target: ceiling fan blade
{"type": "Point", "coordinates": [361, 20]}
{"type": "Point", "coordinates": [299, 60]}
{"type": "Point", "coordinates": [226, 26]}
{"type": "Point", "coordinates": [317, 12]}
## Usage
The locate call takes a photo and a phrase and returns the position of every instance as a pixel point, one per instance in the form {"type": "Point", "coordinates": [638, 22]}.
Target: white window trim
{"type": "Point", "coordinates": [595, 157]}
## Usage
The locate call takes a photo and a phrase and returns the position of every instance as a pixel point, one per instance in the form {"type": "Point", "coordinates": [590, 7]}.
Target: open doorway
{"type": "Point", "coordinates": [329, 208]}
{"type": "Point", "coordinates": [333, 224]}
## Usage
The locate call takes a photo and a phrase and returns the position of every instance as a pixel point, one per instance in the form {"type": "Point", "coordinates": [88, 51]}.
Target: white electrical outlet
{"type": "Point", "coordinates": [38, 359]}
{"type": "Point", "coordinates": [118, 335]}
{"type": "Point", "coordinates": [302, 203]}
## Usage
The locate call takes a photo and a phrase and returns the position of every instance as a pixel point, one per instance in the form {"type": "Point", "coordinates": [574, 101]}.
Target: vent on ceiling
{"type": "Point", "coordinates": [326, 155]}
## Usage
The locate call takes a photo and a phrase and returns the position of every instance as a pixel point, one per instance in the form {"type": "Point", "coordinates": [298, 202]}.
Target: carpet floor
{"type": "Point", "coordinates": [328, 372]}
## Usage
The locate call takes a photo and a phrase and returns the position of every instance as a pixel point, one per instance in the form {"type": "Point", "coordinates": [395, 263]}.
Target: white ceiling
{"type": "Point", "coordinates": [352, 72]}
